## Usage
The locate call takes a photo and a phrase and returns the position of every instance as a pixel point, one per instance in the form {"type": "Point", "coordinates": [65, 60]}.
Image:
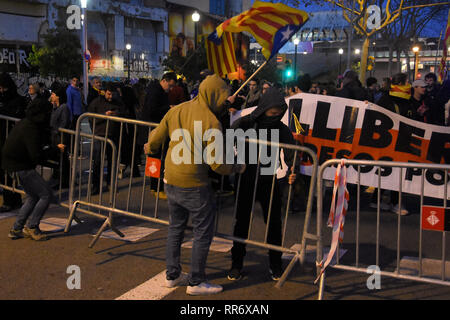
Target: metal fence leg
{"type": "Point", "coordinates": [99, 233]}
{"type": "Point", "coordinates": [287, 271]}
{"type": "Point", "coordinates": [72, 217]}
{"type": "Point", "coordinates": [321, 287]}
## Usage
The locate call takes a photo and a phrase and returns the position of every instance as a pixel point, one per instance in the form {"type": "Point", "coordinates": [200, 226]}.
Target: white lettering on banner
{"type": "Point", "coordinates": [342, 128]}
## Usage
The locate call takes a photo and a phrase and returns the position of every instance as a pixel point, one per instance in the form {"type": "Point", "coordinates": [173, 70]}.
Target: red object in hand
{"type": "Point", "coordinates": [153, 167]}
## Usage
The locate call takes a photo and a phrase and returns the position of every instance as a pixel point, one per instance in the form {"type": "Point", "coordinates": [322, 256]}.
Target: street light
{"type": "Point", "coordinates": [195, 18]}
{"type": "Point", "coordinates": [341, 52]}
{"type": "Point", "coordinates": [416, 50]}
{"type": "Point", "coordinates": [85, 49]}
{"type": "Point", "coordinates": [128, 46]}
{"type": "Point", "coordinates": [296, 42]}
{"type": "Point", "coordinates": [357, 51]}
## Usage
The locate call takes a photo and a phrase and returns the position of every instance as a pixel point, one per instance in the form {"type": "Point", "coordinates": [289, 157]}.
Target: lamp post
{"type": "Point", "coordinates": [128, 46]}
{"type": "Point", "coordinates": [85, 49]}
{"type": "Point", "coordinates": [296, 42]}
{"type": "Point", "coordinates": [341, 52]}
{"type": "Point", "coordinates": [195, 18]}
{"type": "Point", "coordinates": [416, 50]}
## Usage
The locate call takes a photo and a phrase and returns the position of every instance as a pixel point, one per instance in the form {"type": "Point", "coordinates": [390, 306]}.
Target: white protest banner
{"type": "Point", "coordinates": [338, 128]}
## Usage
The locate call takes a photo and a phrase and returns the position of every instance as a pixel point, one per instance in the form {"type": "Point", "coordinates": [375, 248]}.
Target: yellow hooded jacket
{"type": "Point", "coordinates": [213, 92]}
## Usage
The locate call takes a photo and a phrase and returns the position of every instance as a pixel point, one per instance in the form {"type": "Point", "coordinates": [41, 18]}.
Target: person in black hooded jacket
{"type": "Point", "coordinates": [28, 145]}
{"type": "Point", "coordinates": [267, 115]}
{"type": "Point", "coordinates": [352, 88]}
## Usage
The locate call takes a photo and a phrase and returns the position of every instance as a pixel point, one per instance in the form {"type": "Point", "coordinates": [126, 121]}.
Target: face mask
{"type": "Point", "coordinates": [269, 122]}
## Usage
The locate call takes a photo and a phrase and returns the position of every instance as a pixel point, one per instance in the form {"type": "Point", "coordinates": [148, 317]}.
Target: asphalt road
{"type": "Point", "coordinates": [38, 270]}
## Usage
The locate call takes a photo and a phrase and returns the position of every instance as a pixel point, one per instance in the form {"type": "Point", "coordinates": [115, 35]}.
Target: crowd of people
{"type": "Point", "coordinates": [171, 103]}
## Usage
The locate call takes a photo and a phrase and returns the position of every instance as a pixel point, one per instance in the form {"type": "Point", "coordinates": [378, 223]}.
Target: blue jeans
{"type": "Point", "coordinates": [200, 203]}
{"type": "Point", "coordinates": [39, 195]}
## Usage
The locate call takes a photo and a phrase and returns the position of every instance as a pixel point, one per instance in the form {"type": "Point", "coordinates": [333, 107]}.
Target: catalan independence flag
{"type": "Point", "coordinates": [271, 24]}
{"type": "Point", "coordinates": [442, 72]}
{"type": "Point", "coordinates": [221, 57]}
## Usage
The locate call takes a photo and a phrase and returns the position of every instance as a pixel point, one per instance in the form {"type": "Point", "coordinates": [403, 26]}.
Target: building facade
{"type": "Point", "coordinates": [149, 26]}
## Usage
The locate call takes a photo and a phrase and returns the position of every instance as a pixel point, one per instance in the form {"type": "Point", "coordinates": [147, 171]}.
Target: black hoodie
{"type": "Point", "coordinates": [272, 98]}
{"type": "Point", "coordinates": [28, 143]}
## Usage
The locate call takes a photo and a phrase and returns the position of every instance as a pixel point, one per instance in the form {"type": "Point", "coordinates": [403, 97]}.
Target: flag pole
{"type": "Point", "coordinates": [250, 78]}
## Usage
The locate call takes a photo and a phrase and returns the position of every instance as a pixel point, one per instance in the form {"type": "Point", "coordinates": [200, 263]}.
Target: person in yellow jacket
{"type": "Point", "coordinates": [186, 178]}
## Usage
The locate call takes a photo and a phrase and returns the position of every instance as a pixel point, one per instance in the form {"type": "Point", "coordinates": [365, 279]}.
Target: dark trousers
{"type": "Point", "coordinates": [244, 207]}
{"type": "Point", "coordinates": [97, 159]}
{"type": "Point", "coordinates": [39, 195]}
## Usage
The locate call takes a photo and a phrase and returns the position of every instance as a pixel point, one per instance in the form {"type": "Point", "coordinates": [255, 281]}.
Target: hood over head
{"type": "Point", "coordinates": [213, 92]}
{"type": "Point", "coordinates": [272, 98]}
{"type": "Point", "coordinates": [39, 111]}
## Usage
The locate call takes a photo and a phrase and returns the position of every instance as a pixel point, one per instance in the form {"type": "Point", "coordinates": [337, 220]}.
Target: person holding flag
{"type": "Point", "coordinates": [271, 24]}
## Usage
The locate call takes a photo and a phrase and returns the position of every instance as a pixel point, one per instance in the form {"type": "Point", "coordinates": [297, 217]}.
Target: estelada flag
{"type": "Point", "coordinates": [271, 24]}
{"type": "Point", "coordinates": [442, 72]}
{"type": "Point", "coordinates": [153, 167]}
{"type": "Point", "coordinates": [221, 57]}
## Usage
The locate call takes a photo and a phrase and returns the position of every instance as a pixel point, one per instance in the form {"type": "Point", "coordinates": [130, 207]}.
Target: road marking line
{"type": "Point", "coordinates": [150, 290]}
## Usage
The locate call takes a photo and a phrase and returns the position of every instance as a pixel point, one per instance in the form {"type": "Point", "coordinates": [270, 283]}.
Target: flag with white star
{"type": "Point", "coordinates": [271, 24]}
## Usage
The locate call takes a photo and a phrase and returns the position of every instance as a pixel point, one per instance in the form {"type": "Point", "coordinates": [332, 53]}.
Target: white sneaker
{"type": "Point", "coordinates": [182, 280]}
{"type": "Point", "coordinates": [204, 288]}
{"type": "Point", "coordinates": [401, 211]}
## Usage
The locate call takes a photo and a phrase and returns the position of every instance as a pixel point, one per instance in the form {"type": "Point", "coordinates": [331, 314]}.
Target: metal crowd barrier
{"type": "Point", "coordinates": [357, 267]}
{"type": "Point", "coordinates": [145, 203]}
{"type": "Point", "coordinates": [11, 183]}
{"type": "Point", "coordinates": [7, 182]}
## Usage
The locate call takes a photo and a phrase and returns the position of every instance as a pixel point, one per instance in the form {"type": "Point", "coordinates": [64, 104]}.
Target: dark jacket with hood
{"type": "Point", "coordinates": [156, 103]}
{"type": "Point", "coordinates": [11, 103]}
{"type": "Point", "coordinates": [352, 90]}
{"type": "Point", "coordinates": [272, 98]}
{"type": "Point", "coordinates": [28, 144]}
{"type": "Point", "coordinates": [189, 119]}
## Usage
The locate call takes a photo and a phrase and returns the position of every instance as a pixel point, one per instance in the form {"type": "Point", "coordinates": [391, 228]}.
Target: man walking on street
{"type": "Point", "coordinates": [188, 189]}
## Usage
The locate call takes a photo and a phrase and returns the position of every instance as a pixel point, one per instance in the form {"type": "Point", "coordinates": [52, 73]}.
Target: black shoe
{"type": "Point", "coordinates": [234, 274]}
{"type": "Point", "coordinates": [15, 234]}
{"type": "Point", "coordinates": [276, 273]}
